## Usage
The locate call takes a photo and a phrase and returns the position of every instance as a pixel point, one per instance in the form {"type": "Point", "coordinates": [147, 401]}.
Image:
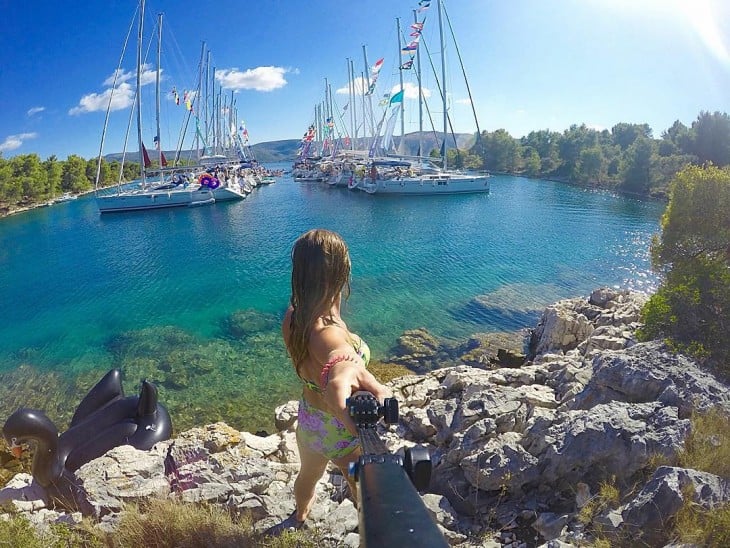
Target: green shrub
{"type": "Point", "coordinates": [691, 308]}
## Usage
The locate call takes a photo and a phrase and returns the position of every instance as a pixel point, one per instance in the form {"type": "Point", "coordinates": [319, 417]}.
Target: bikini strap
{"type": "Point", "coordinates": [324, 376]}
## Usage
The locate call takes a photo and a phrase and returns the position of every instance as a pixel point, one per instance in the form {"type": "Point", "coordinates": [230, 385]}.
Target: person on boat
{"type": "Point", "coordinates": [331, 362]}
{"type": "Point", "coordinates": [373, 172]}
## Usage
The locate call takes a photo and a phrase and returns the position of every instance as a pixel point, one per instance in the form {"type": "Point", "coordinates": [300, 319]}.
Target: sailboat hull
{"type": "Point", "coordinates": [229, 193]}
{"type": "Point", "coordinates": [428, 184]}
{"type": "Point", "coordinates": [141, 200]}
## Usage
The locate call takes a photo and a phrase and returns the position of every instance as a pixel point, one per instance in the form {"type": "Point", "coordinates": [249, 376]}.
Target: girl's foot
{"type": "Point", "coordinates": [289, 524]}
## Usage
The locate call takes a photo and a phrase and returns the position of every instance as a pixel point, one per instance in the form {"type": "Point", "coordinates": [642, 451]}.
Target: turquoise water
{"type": "Point", "coordinates": [81, 292]}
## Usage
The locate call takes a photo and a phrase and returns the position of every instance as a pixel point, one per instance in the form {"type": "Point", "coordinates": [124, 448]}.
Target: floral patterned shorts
{"type": "Point", "coordinates": [323, 433]}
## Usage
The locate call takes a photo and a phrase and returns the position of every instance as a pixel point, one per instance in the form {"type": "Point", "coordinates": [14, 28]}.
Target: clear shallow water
{"type": "Point", "coordinates": [72, 281]}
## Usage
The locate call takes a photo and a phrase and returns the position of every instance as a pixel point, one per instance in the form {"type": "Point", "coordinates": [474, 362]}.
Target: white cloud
{"type": "Point", "coordinates": [259, 78]}
{"type": "Point", "coordinates": [148, 76]}
{"type": "Point", "coordinates": [35, 110]}
{"type": "Point", "coordinates": [121, 76]}
{"type": "Point", "coordinates": [12, 142]}
{"type": "Point", "coordinates": [358, 83]}
{"type": "Point", "coordinates": [123, 98]}
{"type": "Point", "coordinates": [466, 101]}
{"type": "Point", "coordinates": [411, 89]}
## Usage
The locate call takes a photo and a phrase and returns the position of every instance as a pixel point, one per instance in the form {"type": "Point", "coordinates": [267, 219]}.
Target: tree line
{"type": "Point", "coordinates": [626, 159]}
{"type": "Point", "coordinates": [26, 180]}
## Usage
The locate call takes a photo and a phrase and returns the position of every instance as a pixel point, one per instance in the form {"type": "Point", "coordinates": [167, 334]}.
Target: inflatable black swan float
{"type": "Point", "coordinates": [103, 420]}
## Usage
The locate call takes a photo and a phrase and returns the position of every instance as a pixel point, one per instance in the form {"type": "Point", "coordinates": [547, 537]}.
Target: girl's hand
{"type": "Point", "coordinates": [345, 379]}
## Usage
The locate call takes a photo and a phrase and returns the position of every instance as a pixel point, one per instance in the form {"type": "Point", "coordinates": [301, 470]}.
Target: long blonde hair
{"type": "Point", "coordinates": [320, 274]}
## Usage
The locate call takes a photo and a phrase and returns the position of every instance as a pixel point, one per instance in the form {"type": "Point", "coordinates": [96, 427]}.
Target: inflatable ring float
{"type": "Point", "coordinates": [206, 179]}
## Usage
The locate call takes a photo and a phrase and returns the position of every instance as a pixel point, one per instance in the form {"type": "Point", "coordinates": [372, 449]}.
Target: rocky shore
{"type": "Point", "coordinates": [520, 446]}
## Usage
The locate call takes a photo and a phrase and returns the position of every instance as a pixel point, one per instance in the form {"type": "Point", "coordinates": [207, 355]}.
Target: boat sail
{"type": "Point", "coordinates": [179, 190]}
{"type": "Point", "coordinates": [402, 175]}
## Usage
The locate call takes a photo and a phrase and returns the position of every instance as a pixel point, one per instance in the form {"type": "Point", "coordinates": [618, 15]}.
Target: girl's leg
{"type": "Point", "coordinates": [312, 466]}
{"type": "Point", "coordinates": [344, 465]}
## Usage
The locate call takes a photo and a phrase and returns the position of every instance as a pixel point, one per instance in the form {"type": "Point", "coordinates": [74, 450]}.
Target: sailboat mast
{"type": "Point", "coordinates": [196, 140]}
{"type": "Point", "coordinates": [351, 104]}
{"type": "Point", "coordinates": [231, 125]}
{"type": "Point", "coordinates": [219, 121]}
{"type": "Point", "coordinates": [364, 115]}
{"type": "Point", "coordinates": [138, 94]}
{"type": "Point", "coordinates": [207, 101]}
{"type": "Point", "coordinates": [108, 111]}
{"type": "Point", "coordinates": [370, 95]}
{"type": "Point", "coordinates": [400, 73]}
{"type": "Point", "coordinates": [420, 93]}
{"type": "Point", "coordinates": [157, 92]}
{"type": "Point", "coordinates": [326, 117]}
{"type": "Point", "coordinates": [332, 113]}
{"type": "Point", "coordinates": [443, 80]}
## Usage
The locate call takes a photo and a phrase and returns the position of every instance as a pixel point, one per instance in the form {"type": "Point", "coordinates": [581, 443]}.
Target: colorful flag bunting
{"type": "Point", "coordinates": [407, 65]}
{"type": "Point", "coordinates": [410, 48]}
{"type": "Point", "coordinates": [417, 26]}
{"type": "Point", "coordinates": [377, 66]}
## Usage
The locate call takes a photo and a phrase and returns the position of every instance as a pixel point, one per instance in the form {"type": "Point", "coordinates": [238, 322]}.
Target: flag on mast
{"type": "Point", "coordinates": [398, 97]}
{"type": "Point", "coordinates": [147, 161]}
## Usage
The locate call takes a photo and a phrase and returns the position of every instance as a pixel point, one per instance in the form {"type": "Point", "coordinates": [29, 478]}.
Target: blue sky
{"type": "Point", "coordinates": [531, 64]}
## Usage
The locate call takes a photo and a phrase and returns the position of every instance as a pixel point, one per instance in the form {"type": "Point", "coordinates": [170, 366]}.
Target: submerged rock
{"type": "Point", "coordinates": [244, 323]}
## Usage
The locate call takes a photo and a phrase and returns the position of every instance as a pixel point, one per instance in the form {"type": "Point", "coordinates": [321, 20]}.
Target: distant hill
{"type": "Point", "coordinates": [286, 150]}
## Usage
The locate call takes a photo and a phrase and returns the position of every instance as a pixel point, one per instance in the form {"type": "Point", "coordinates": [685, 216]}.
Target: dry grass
{"type": "Point", "coordinates": [168, 524]}
{"type": "Point", "coordinates": [701, 527]}
{"type": "Point", "coordinates": [609, 494]}
{"type": "Point", "coordinates": [608, 497]}
{"type": "Point", "coordinates": [18, 532]}
{"type": "Point", "coordinates": [164, 523]}
{"type": "Point", "coordinates": [707, 448]}
{"type": "Point", "coordinates": [159, 524]}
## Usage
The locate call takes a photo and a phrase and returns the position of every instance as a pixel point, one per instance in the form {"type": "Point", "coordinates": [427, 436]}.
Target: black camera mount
{"type": "Point", "coordinates": [391, 511]}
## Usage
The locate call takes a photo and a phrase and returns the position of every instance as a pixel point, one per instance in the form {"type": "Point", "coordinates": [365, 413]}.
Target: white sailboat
{"type": "Point", "coordinates": [179, 190]}
{"type": "Point", "coordinates": [403, 176]}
